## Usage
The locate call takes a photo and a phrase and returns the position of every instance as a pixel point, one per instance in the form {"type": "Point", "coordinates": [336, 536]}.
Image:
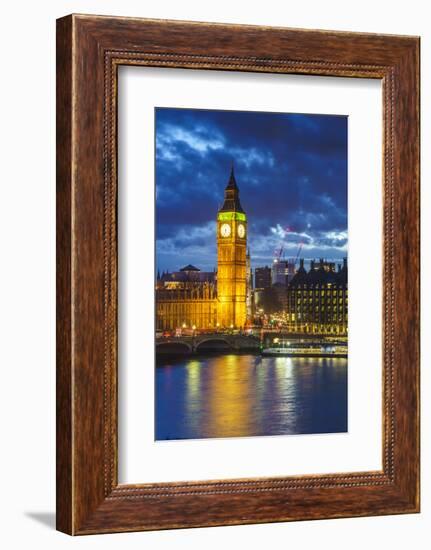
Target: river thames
{"type": "Point", "coordinates": [249, 395]}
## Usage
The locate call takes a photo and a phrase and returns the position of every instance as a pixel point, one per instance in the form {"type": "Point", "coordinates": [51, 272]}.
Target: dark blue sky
{"type": "Point", "coordinates": [291, 170]}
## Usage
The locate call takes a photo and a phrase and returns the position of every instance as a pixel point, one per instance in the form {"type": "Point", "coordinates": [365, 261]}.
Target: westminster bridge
{"type": "Point", "coordinates": [240, 342]}
{"type": "Point", "coordinates": [207, 342]}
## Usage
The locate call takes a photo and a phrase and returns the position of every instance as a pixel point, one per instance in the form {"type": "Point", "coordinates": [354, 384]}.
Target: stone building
{"type": "Point", "coordinates": [185, 299]}
{"type": "Point", "coordinates": [207, 300]}
{"type": "Point", "coordinates": [317, 300]}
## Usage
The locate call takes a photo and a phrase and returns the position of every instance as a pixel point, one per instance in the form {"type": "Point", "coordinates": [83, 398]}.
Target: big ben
{"type": "Point", "coordinates": [231, 259]}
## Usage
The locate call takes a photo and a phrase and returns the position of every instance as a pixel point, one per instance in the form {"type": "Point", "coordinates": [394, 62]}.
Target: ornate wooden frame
{"type": "Point", "coordinates": [89, 51]}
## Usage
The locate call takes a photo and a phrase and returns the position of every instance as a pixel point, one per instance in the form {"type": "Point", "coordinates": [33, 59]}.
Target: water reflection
{"type": "Point", "coordinates": [250, 395]}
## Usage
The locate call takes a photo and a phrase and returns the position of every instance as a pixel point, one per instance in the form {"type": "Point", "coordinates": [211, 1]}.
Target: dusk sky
{"type": "Point", "coordinates": [291, 170]}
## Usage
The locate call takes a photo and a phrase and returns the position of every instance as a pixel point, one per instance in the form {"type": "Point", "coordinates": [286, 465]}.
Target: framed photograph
{"type": "Point", "coordinates": [237, 274]}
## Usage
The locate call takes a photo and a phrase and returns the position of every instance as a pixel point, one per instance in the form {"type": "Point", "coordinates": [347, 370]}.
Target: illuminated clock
{"type": "Point", "coordinates": [241, 231]}
{"type": "Point", "coordinates": [225, 230]}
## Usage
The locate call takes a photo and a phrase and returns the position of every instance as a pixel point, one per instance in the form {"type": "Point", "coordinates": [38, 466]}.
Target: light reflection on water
{"type": "Point", "coordinates": [250, 395]}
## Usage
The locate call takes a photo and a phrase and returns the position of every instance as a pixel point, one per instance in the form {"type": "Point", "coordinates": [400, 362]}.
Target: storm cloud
{"type": "Point", "coordinates": [291, 170]}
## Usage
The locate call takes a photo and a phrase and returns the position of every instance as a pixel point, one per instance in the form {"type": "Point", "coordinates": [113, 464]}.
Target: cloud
{"type": "Point", "coordinates": [199, 139]}
{"type": "Point", "coordinates": [291, 170]}
{"type": "Point", "coordinates": [250, 157]}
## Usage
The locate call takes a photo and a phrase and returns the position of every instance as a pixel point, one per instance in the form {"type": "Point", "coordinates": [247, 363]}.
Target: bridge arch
{"type": "Point", "coordinates": [215, 343]}
{"type": "Point", "coordinates": [174, 347]}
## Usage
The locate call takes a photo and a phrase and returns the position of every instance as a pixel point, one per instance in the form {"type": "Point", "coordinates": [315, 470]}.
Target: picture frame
{"type": "Point", "coordinates": [89, 51]}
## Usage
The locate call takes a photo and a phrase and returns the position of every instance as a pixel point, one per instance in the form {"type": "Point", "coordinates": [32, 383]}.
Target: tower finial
{"type": "Point", "coordinates": [231, 195]}
{"type": "Point", "coordinates": [232, 181]}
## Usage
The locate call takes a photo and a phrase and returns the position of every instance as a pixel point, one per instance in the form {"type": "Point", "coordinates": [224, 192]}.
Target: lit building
{"type": "Point", "coordinates": [186, 298]}
{"type": "Point", "coordinates": [207, 300]}
{"type": "Point", "coordinates": [322, 264]}
{"type": "Point", "coordinates": [282, 271]}
{"type": "Point", "coordinates": [317, 300]}
{"type": "Point", "coordinates": [249, 298]}
{"type": "Point", "coordinates": [231, 259]}
{"type": "Point", "coordinates": [186, 277]}
{"type": "Point", "coordinates": [279, 272]}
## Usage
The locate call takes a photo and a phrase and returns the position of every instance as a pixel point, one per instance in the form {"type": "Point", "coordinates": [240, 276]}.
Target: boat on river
{"type": "Point", "coordinates": [306, 349]}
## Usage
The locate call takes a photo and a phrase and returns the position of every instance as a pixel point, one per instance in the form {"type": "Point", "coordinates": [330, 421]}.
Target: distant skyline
{"type": "Point", "coordinates": [291, 170]}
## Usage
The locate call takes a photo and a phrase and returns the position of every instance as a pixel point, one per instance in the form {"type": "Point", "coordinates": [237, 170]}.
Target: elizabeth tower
{"type": "Point", "coordinates": [231, 264]}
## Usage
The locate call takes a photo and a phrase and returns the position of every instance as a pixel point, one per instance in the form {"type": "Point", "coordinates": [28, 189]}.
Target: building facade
{"type": "Point", "coordinates": [194, 299]}
{"type": "Point", "coordinates": [317, 300]}
{"type": "Point", "coordinates": [187, 308]}
{"type": "Point", "coordinates": [282, 271]}
{"type": "Point", "coordinates": [186, 299]}
{"type": "Point", "coordinates": [262, 277]}
{"type": "Point", "coordinates": [249, 297]}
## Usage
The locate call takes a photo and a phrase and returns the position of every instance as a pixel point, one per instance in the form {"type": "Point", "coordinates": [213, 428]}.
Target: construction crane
{"type": "Point", "coordinates": [298, 253]}
{"type": "Point", "coordinates": [279, 253]}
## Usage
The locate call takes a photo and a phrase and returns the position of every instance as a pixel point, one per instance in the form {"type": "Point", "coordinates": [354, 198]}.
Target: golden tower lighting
{"type": "Point", "coordinates": [231, 259]}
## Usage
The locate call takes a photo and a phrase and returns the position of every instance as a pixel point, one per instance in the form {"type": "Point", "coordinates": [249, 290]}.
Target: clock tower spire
{"type": "Point", "coordinates": [231, 259]}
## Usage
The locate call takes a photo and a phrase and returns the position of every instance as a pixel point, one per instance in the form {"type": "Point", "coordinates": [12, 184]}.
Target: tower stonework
{"type": "Point", "coordinates": [231, 259]}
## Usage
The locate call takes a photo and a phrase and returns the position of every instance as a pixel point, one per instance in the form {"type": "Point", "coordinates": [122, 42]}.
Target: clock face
{"type": "Point", "coordinates": [225, 230]}
{"type": "Point", "coordinates": [241, 231]}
